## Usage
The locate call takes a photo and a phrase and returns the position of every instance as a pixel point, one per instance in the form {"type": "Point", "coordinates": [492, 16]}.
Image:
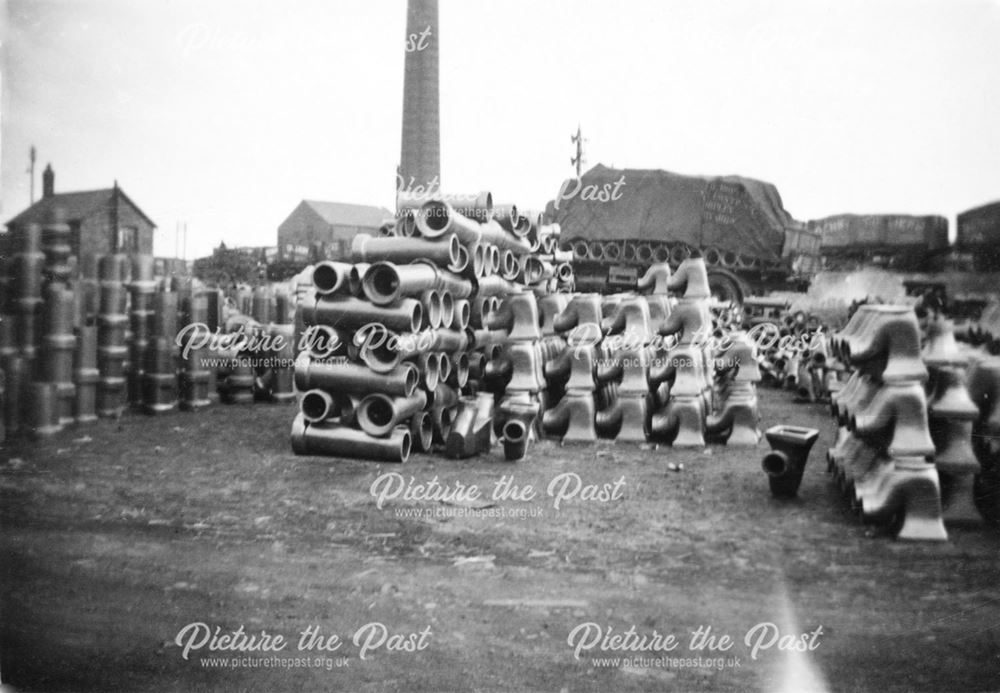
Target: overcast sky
{"type": "Point", "coordinates": [225, 114]}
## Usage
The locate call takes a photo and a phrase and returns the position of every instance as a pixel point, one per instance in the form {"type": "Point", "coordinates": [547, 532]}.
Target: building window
{"type": "Point", "coordinates": [128, 240]}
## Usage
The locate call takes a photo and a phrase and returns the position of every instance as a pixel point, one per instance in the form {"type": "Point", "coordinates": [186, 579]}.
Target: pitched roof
{"type": "Point", "coordinates": [75, 205]}
{"type": "Point", "coordinates": [344, 214]}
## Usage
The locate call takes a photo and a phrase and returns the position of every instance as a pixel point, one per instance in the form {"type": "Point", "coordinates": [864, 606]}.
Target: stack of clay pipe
{"type": "Point", "coordinates": [574, 391]}
{"type": "Point", "coordinates": [881, 457]}
{"type": "Point", "coordinates": [680, 418]}
{"type": "Point", "coordinates": [952, 414]}
{"type": "Point", "coordinates": [736, 416]}
{"type": "Point", "coordinates": [75, 348]}
{"type": "Point", "coordinates": [516, 373]}
{"type": "Point", "coordinates": [397, 342]}
{"type": "Point", "coordinates": [255, 352]}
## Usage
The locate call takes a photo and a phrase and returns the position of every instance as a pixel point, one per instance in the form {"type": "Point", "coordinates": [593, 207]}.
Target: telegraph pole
{"type": "Point", "coordinates": [31, 172]}
{"type": "Point", "coordinates": [578, 160]}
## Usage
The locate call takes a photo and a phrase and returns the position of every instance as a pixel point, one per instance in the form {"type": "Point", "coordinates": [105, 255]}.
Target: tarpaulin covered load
{"type": "Point", "coordinates": [853, 232]}
{"type": "Point", "coordinates": [979, 226]}
{"type": "Point", "coordinates": [731, 213]}
{"type": "Point", "coordinates": [979, 234]}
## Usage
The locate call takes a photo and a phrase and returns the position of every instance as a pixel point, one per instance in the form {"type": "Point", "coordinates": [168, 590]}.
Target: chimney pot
{"type": "Point", "coordinates": [48, 181]}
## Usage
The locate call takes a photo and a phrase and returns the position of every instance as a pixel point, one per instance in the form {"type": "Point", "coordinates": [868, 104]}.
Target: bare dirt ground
{"type": "Point", "coordinates": [116, 536]}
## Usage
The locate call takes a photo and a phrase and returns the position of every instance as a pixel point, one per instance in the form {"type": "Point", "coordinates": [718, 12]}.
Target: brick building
{"type": "Point", "coordinates": [328, 226]}
{"type": "Point", "coordinates": [102, 221]}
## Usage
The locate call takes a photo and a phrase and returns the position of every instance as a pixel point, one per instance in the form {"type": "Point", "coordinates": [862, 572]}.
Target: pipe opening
{"type": "Point", "coordinates": [447, 309]}
{"type": "Point", "coordinates": [404, 446]}
{"type": "Point", "coordinates": [514, 431]}
{"type": "Point", "coordinates": [775, 463]}
{"type": "Point", "coordinates": [316, 405]}
{"type": "Point", "coordinates": [384, 281]}
{"type": "Point", "coordinates": [326, 277]}
{"type": "Point", "coordinates": [432, 308]}
{"type": "Point", "coordinates": [435, 215]}
{"type": "Point", "coordinates": [407, 225]}
{"type": "Point", "coordinates": [444, 366]}
{"type": "Point", "coordinates": [411, 380]}
{"type": "Point", "coordinates": [382, 353]}
{"type": "Point", "coordinates": [379, 411]}
{"type": "Point", "coordinates": [416, 317]}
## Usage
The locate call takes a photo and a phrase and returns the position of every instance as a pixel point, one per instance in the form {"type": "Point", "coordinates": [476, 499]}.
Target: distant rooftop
{"type": "Point", "coordinates": [75, 205]}
{"type": "Point", "coordinates": [345, 214]}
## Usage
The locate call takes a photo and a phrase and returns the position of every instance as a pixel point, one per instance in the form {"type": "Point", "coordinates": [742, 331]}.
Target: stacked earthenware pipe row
{"type": "Point", "coordinates": [881, 459]}
{"type": "Point", "coordinates": [254, 358]}
{"type": "Point", "coordinates": [82, 341]}
{"type": "Point", "coordinates": [639, 368]}
{"type": "Point", "coordinates": [397, 341]}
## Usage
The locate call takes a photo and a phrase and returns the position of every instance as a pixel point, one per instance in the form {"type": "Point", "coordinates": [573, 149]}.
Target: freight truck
{"type": "Point", "coordinates": [617, 222]}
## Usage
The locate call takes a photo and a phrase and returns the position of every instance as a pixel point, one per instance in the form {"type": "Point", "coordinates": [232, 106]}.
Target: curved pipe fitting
{"type": "Point", "coordinates": [657, 277]}
{"type": "Point", "coordinates": [682, 422]}
{"type": "Point", "coordinates": [691, 277]}
{"type": "Point", "coordinates": [909, 487]}
{"type": "Point", "coordinates": [626, 419]}
{"type": "Point", "coordinates": [572, 418]}
{"type": "Point", "coordinates": [895, 337]}
{"type": "Point", "coordinates": [631, 318]}
{"type": "Point", "coordinates": [784, 465]}
{"type": "Point", "coordinates": [549, 306]}
{"type": "Point", "coordinates": [687, 320]}
{"type": "Point", "coordinates": [899, 408]}
{"type": "Point", "coordinates": [336, 440]}
{"type": "Point", "coordinates": [736, 424]}
{"type": "Point", "coordinates": [573, 369]}
{"type": "Point", "coordinates": [519, 316]}
{"type": "Point", "coordinates": [583, 310]}
{"type": "Point", "coordinates": [526, 366]}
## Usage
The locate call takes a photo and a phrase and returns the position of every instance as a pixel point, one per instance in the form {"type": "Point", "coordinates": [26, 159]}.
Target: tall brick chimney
{"type": "Point", "coordinates": [420, 161]}
{"type": "Point", "coordinates": [48, 181]}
